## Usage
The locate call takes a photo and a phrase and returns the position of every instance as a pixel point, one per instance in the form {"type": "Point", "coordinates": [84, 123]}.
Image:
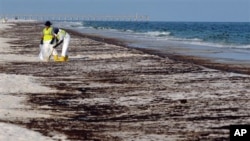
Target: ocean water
{"type": "Point", "coordinates": [222, 41]}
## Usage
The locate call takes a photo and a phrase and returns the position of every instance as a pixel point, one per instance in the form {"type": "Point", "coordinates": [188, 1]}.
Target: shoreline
{"type": "Point", "coordinates": [228, 66]}
{"type": "Point", "coordinates": [110, 92]}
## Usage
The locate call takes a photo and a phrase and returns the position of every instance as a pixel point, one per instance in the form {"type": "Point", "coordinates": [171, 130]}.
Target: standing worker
{"type": "Point", "coordinates": [62, 37]}
{"type": "Point", "coordinates": [47, 42]}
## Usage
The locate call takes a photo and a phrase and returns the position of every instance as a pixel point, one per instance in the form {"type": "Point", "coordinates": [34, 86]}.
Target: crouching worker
{"type": "Point", "coordinates": [62, 37]}
{"type": "Point", "coordinates": [47, 43]}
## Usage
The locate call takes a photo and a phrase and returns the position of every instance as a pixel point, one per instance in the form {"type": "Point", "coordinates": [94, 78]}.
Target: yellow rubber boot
{"type": "Point", "coordinates": [55, 58]}
{"type": "Point", "coordinates": [62, 59]}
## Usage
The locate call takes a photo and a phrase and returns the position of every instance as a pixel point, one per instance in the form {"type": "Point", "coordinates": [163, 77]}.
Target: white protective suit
{"type": "Point", "coordinates": [65, 37]}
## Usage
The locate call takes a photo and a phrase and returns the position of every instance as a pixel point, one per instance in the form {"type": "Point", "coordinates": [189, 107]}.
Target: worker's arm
{"type": "Point", "coordinates": [58, 44]}
{"type": "Point", "coordinates": [53, 39]}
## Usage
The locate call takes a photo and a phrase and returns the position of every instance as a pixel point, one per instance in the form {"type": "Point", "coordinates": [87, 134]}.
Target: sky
{"type": "Point", "coordinates": [157, 10]}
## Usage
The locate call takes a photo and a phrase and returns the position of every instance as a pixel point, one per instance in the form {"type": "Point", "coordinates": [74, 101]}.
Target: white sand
{"type": "Point", "coordinates": [5, 51]}
{"type": "Point", "coordinates": [10, 132]}
{"type": "Point", "coordinates": [12, 100]}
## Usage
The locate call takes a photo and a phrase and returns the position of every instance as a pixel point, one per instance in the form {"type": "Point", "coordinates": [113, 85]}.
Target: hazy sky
{"type": "Point", "coordinates": [157, 10]}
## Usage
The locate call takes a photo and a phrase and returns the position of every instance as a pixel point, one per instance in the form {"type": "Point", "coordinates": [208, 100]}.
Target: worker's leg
{"type": "Point", "coordinates": [64, 55]}
{"type": "Point", "coordinates": [65, 45]}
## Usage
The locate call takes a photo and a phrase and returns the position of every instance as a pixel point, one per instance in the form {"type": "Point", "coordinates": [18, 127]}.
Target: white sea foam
{"type": "Point", "coordinates": [158, 34]}
{"type": "Point", "coordinates": [210, 44]}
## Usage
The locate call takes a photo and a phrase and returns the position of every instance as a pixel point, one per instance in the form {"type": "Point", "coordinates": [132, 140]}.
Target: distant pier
{"type": "Point", "coordinates": [135, 17]}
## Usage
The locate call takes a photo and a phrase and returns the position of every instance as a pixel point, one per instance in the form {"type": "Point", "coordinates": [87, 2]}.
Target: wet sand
{"type": "Point", "coordinates": [108, 91]}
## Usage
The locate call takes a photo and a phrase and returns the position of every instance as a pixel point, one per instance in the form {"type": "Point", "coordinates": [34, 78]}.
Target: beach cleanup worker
{"type": "Point", "coordinates": [47, 42]}
{"type": "Point", "coordinates": [62, 37]}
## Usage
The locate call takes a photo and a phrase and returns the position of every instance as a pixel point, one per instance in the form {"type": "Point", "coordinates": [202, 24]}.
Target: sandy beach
{"type": "Point", "coordinates": [110, 92]}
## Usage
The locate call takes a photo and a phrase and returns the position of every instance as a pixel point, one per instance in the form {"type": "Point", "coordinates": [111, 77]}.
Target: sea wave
{"type": "Point", "coordinates": [200, 42]}
{"type": "Point", "coordinates": [158, 33]}
{"type": "Point", "coordinates": [69, 24]}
